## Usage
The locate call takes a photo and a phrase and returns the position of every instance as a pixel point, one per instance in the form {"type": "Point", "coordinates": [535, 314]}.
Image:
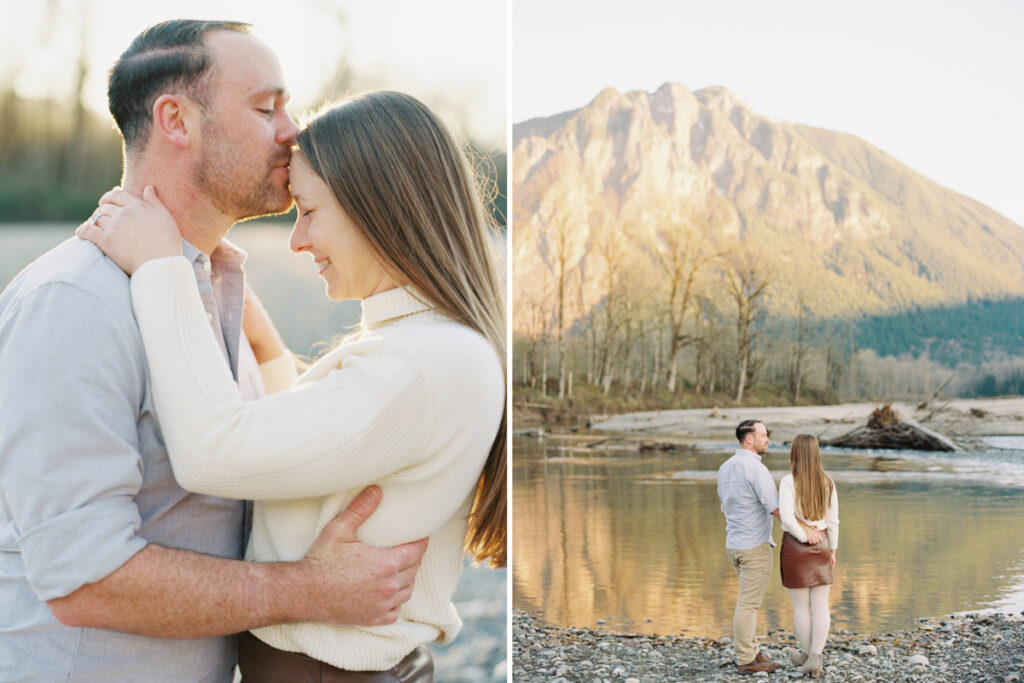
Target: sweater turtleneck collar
{"type": "Point", "coordinates": [395, 303]}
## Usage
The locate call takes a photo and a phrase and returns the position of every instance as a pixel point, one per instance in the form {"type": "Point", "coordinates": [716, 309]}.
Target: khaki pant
{"type": "Point", "coordinates": [754, 567]}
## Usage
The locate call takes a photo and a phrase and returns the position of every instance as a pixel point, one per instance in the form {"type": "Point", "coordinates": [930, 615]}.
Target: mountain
{"type": "Point", "coordinates": [842, 226]}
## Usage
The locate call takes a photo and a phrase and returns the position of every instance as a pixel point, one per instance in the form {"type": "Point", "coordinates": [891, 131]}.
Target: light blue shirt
{"type": "Point", "coordinates": [748, 495]}
{"type": "Point", "coordinates": [85, 482]}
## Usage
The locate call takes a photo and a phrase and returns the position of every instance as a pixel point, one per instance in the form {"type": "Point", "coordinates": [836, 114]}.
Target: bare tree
{"type": "Point", "coordinates": [610, 248]}
{"type": "Point", "coordinates": [681, 245]}
{"type": "Point", "coordinates": [562, 246]}
{"type": "Point", "coordinates": [800, 348]}
{"type": "Point", "coordinates": [747, 277]}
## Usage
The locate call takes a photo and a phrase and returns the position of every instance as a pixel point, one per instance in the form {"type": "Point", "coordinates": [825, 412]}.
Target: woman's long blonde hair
{"type": "Point", "coordinates": [400, 175]}
{"type": "Point", "coordinates": [812, 486]}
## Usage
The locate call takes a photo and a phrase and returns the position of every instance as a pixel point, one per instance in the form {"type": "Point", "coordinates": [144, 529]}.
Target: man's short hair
{"type": "Point", "coordinates": [745, 427]}
{"type": "Point", "coordinates": [167, 57]}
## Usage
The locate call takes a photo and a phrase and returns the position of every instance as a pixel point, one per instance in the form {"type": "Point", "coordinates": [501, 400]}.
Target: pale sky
{"type": "Point", "coordinates": [938, 85]}
{"type": "Point", "coordinates": [450, 53]}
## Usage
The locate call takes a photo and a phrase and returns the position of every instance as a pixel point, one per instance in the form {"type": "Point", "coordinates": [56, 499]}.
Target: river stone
{"type": "Point", "coordinates": [868, 650]}
{"type": "Point", "coordinates": [918, 659]}
{"type": "Point", "coordinates": [725, 640]}
{"type": "Point", "coordinates": [472, 674]}
{"type": "Point", "coordinates": [618, 671]}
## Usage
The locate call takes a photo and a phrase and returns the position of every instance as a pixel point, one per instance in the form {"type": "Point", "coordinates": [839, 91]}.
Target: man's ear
{"type": "Point", "coordinates": [173, 119]}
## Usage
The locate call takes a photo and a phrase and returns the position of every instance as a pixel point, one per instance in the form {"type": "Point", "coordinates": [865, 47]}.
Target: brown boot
{"type": "Point", "coordinates": [755, 666]}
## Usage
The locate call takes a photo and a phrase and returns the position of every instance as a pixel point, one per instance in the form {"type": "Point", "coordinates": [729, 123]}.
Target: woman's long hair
{"type": "Point", "coordinates": [812, 486]}
{"type": "Point", "coordinates": [400, 175]}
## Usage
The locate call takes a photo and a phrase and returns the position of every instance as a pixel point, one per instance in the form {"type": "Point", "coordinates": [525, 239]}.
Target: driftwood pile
{"type": "Point", "coordinates": [885, 429]}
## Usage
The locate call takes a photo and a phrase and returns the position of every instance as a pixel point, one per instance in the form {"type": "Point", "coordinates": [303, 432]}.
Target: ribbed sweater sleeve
{"type": "Point", "coordinates": [279, 373]}
{"type": "Point", "coordinates": [832, 518]}
{"type": "Point", "coordinates": [787, 509]}
{"type": "Point", "coordinates": [307, 441]}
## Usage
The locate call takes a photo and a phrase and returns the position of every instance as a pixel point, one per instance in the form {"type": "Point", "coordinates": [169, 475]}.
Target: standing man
{"type": "Point", "coordinates": [749, 499]}
{"type": "Point", "coordinates": [108, 570]}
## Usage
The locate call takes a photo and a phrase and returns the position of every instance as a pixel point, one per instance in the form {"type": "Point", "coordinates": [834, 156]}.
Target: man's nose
{"type": "Point", "coordinates": [288, 130]}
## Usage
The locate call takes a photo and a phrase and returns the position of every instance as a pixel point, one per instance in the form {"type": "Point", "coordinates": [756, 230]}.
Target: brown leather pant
{"type": "Point", "coordinates": [261, 663]}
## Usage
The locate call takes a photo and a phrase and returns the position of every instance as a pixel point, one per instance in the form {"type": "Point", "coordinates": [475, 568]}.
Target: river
{"type": "Point", "coordinates": [635, 541]}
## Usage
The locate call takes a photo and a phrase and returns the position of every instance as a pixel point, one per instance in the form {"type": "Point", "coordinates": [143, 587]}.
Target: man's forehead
{"type": "Point", "coordinates": [245, 61]}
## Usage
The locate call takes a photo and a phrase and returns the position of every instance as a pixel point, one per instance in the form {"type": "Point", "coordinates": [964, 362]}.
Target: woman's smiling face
{"type": "Point", "coordinates": [343, 257]}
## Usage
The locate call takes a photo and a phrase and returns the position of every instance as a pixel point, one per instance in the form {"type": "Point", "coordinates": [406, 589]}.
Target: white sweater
{"type": "Point", "coordinates": [788, 514]}
{"type": "Point", "coordinates": [412, 405]}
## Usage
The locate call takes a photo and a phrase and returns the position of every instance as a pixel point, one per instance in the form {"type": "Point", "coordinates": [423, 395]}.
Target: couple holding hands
{"type": "Point", "coordinates": [807, 505]}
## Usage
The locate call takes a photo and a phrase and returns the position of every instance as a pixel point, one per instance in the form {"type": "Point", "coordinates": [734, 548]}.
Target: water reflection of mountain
{"type": "Point", "coordinates": [619, 538]}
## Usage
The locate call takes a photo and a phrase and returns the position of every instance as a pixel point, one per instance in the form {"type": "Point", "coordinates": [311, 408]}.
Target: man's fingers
{"type": "Point", "coordinates": [401, 597]}
{"type": "Point", "coordinates": [357, 512]}
{"type": "Point", "coordinates": [406, 578]}
{"type": "Point", "coordinates": [389, 617]}
{"type": "Point", "coordinates": [411, 554]}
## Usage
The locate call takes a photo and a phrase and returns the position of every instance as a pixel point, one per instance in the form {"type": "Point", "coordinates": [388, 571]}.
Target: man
{"type": "Point", "coordinates": [749, 499]}
{"type": "Point", "coordinates": [108, 570]}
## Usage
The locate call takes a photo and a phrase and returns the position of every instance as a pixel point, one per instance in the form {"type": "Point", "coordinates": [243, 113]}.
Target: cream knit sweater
{"type": "Point", "coordinates": [411, 404]}
{"type": "Point", "coordinates": [788, 514]}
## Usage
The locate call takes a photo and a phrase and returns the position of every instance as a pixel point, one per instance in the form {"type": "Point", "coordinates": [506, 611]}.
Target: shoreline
{"type": "Point", "coordinates": [974, 647]}
{"type": "Point", "coordinates": [964, 420]}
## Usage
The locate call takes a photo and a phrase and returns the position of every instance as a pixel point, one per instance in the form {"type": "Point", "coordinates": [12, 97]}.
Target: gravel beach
{"type": "Point", "coordinates": [478, 654]}
{"type": "Point", "coordinates": [976, 647]}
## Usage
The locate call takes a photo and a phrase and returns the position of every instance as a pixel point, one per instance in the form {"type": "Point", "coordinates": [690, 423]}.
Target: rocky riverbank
{"type": "Point", "coordinates": [478, 654]}
{"type": "Point", "coordinates": [981, 648]}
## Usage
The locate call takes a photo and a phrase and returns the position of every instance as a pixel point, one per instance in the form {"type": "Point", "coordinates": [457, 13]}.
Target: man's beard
{"type": "Point", "coordinates": [220, 174]}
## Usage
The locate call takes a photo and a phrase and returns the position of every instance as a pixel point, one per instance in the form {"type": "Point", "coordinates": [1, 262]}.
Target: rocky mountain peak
{"type": "Point", "coordinates": [837, 215]}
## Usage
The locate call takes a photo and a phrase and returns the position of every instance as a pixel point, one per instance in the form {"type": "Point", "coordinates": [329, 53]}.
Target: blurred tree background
{"type": "Point", "coordinates": [59, 148]}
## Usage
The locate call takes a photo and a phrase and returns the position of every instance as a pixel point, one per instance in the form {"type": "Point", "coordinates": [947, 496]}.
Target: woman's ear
{"type": "Point", "coordinates": [172, 119]}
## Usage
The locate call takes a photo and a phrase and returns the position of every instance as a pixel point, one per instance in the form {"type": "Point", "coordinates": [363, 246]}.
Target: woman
{"type": "Point", "coordinates": [412, 401]}
{"type": "Point", "coordinates": [808, 495]}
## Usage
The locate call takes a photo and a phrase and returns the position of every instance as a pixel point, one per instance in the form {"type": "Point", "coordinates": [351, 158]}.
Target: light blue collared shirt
{"type": "Point", "coordinates": [749, 496]}
{"type": "Point", "coordinates": [85, 482]}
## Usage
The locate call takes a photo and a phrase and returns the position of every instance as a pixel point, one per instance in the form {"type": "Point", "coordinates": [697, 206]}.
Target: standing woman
{"type": "Point", "coordinates": [412, 401]}
{"type": "Point", "coordinates": [808, 495]}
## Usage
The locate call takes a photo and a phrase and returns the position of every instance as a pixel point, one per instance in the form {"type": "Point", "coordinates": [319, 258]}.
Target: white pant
{"type": "Point", "coordinates": [811, 617]}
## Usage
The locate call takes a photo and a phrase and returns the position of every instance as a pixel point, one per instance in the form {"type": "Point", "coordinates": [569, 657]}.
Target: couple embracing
{"type": "Point", "coordinates": [807, 505]}
{"type": "Point", "coordinates": [146, 398]}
